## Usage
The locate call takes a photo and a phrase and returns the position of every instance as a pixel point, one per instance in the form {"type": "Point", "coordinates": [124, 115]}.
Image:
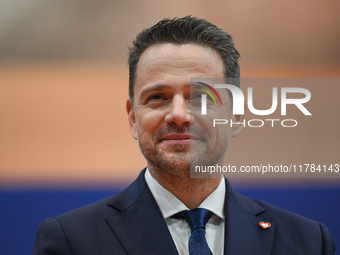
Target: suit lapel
{"type": "Point", "coordinates": [140, 227]}
{"type": "Point", "coordinates": [243, 234]}
{"type": "Point", "coordinates": [138, 222]}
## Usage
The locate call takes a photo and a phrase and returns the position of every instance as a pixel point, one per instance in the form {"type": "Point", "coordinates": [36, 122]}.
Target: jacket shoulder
{"type": "Point", "coordinates": [292, 229]}
{"type": "Point", "coordinates": [79, 231]}
{"type": "Point", "coordinates": [89, 212]}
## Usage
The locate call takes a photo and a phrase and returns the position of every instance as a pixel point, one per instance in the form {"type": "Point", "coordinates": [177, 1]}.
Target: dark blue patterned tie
{"type": "Point", "coordinates": [197, 219]}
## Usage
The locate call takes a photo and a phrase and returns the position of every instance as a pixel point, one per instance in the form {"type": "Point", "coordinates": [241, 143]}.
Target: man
{"type": "Point", "coordinates": [165, 211]}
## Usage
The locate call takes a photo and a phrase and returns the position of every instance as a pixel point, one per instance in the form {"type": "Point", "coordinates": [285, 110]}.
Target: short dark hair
{"type": "Point", "coordinates": [182, 31]}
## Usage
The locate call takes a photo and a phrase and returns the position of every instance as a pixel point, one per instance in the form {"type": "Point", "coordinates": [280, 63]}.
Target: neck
{"type": "Point", "coordinates": [190, 191]}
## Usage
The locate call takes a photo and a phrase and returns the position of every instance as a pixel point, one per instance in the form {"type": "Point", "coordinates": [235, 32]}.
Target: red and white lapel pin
{"type": "Point", "coordinates": [264, 225]}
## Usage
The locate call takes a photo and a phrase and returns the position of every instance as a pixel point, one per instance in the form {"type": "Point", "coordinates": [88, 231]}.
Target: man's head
{"type": "Point", "coordinates": [164, 117]}
{"type": "Point", "coordinates": [182, 31]}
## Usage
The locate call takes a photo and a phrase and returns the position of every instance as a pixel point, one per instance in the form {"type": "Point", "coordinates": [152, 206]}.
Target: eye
{"type": "Point", "coordinates": [196, 96]}
{"type": "Point", "coordinates": [156, 97]}
{"type": "Point", "coordinates": [156, 100]}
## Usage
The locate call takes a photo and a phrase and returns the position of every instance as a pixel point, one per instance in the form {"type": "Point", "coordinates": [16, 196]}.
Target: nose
{"type": "Point", "coordinates": [179, 112]}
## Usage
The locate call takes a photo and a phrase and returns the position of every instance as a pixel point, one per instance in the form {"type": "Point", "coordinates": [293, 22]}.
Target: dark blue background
{"type": "Point", "coordinates": [22, 211]}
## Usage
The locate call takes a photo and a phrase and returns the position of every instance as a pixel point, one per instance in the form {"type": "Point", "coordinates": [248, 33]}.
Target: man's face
{"type": "Point", "coordinates": [169, 133]}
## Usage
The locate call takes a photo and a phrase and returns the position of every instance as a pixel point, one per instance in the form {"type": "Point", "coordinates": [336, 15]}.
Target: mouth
{"type": "Point", "coordinates": [180, 138]}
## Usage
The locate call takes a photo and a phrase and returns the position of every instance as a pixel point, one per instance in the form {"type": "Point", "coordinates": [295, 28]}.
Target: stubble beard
{"type": "Point", "coordinates": [177, 163]}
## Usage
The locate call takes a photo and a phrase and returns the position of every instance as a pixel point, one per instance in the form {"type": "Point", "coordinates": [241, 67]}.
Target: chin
{"type": "Point", "coordinates": [176, 164]}
{"type": "Point", "coordinates": [181, 172]}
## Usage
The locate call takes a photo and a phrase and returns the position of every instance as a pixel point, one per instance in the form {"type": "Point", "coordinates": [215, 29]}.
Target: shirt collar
{"type": "Point", "coordinates": [170, 205]}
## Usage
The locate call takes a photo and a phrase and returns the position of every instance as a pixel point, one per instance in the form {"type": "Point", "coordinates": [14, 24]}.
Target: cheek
{"type": "Point", "coordinates": [206, 122]}
{"type": "Point", "coordinates": [149, 121]}
{"type": "Point", "coordinates": [221, 133]}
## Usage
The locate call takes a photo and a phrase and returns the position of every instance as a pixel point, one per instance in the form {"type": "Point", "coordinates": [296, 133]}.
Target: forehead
{"type": "Point", "coordinates": [173, 65]}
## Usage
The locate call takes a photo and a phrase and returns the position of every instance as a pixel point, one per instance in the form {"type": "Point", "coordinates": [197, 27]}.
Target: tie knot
{"type": "Point", "coordinates": [196, 218]}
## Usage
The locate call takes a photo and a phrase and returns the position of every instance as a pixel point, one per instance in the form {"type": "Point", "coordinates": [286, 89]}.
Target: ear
{"type": "Point", "coordinates": [239, 118]}
{"type": "Point", "coordinates": [131, 118]}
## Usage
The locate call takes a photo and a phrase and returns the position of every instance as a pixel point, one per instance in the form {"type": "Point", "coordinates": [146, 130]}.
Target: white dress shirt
{"type": "Point", "coordinates": [180, 229]}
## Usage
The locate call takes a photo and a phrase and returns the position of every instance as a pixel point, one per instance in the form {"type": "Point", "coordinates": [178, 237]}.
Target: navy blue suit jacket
{"type": "Point", "coordinates": [131, 223]}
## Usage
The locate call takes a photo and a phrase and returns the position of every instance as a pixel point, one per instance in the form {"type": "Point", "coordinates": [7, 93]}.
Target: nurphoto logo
{"type": "Point", "coordinates": [238, 103]}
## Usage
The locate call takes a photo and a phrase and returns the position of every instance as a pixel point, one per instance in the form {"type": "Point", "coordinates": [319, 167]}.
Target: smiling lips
{"type": "Point", "coordinates": [179, 138]}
